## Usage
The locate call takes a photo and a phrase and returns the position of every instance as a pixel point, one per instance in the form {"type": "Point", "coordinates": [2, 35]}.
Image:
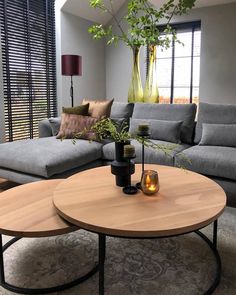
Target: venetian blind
{"type": "Point", "coordinates": [29, 65]}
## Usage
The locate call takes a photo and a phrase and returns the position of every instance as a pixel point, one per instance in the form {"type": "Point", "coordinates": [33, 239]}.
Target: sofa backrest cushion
{"type": "Point", "coordinates": [55, 125]}
{"type": "Point", "coordinates": [122, 110]}
{"type": "Point", "coordinates": [214, 114]}
{"type": "Point", "coordinates": [169, 112]}
{"type": "Point", "coordinates": [45, 129]}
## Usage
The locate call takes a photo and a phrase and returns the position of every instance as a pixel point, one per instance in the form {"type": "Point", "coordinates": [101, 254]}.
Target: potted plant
{"type": "Point", "coordinates": [142, 20]}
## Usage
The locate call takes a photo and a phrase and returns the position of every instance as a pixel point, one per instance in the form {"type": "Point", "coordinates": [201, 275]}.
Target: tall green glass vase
{"type": "Point", "coordinates": [135, 90]}
{"type": "Point", "coordinates": [151, 93]}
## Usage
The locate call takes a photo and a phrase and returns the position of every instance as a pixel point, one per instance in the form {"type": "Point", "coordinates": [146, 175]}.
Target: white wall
{"type": "Point", "coordinates": [218, 57]}
{"type": "Point", "coordinates": [58, 6]}
{"type": "Point", "coordinates": [75, 39]}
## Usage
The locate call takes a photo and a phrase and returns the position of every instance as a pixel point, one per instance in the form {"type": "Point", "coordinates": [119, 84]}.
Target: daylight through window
{"type": "Point", "coordinates": [178, 68]}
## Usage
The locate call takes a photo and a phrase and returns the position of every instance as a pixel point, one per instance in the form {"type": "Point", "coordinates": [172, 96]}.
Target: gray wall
{"type": "Point", "coordinates": [75, 39]}
{"type": "Point", "coordinates": [218, 57]}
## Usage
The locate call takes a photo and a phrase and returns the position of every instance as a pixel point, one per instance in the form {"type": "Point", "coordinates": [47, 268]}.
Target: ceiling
{"type": "Point", "coordinates": [81, 8]}
{"type": "Point", "coordinates": [199, 3]}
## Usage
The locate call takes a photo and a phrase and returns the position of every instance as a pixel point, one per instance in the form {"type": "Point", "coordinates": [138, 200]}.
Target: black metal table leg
{"type": "Point", "coordinates": [21, 290]}
{"type": "Point", "coordinates": [102, 256]}
{"type": "Point", "coordinates": [215, 229]}
{"type": "Point", "coordinates": [213, 247]}
{"type": "Point", "coordinates": [2, 274]}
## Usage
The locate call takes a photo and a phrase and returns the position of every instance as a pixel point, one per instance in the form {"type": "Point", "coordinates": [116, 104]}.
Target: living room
{"type": "Point", "coordinates": [117, 152]}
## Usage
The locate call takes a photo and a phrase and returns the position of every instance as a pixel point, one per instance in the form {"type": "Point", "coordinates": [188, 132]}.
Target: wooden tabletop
{"type": "Point", "coordinates": [187, 201]}
{"type": "Point", "coordinates": [28, 211]}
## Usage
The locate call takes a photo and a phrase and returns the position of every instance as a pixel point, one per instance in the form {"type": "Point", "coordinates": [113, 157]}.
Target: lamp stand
{"type": "Point", "coordinates": [72, 91]}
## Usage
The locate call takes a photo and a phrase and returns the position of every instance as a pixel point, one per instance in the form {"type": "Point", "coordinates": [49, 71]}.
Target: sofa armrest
{"type": "Point", "coordinates": [45, 129]}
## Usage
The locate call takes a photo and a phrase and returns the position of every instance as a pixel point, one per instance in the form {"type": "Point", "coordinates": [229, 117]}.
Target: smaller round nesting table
{"type": "Point", "coordinates": [28, 211]}
{"type": "Point", "coordinates": [186, 202]}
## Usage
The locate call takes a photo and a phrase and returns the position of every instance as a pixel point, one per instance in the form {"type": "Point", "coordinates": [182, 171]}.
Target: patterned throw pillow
{"type": "Point", "coordinates": [73, 124]}
{"type": "Point", "coordinates": [78, 110]}
{"type": "Point", "coordinates": [99, 108]}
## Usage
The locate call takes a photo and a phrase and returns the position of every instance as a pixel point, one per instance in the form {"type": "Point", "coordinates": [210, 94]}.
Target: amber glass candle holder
{"type": "Point", "coordinates": [150, 182]}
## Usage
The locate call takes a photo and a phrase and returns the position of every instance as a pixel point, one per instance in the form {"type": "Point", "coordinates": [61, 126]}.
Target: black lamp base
{"type": "Point", "coordinates": [130, 190]}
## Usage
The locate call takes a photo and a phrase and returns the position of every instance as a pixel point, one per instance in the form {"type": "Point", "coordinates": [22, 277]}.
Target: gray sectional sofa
{"type": "Point", "coordinates": [47, 157]}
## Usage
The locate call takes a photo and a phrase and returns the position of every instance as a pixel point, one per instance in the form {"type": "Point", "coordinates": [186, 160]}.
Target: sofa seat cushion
{"type": "Point", "coordinates": [48, 156]}
{"type": "Point", "coordinates": [213, 161]}
{"type": "Point", "coordinates": [151, 156]}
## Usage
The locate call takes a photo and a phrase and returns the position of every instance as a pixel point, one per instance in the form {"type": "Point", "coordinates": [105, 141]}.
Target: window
{"type": "Point", "coordinates": [29, 65]}
{"type": "Point", "coordinates": [178, 68]}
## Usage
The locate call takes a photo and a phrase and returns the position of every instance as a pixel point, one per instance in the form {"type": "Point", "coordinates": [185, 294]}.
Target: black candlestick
{"type": "Point", "coordinates": [143, 135]}
{"type": "Point", "coordinates": [130, 189]}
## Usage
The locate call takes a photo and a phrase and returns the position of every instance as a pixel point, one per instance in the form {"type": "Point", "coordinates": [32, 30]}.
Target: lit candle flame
{"type": "Point", "coordinates": [149, 185]}
{"type": "Point", "coordinates": [152, 187]}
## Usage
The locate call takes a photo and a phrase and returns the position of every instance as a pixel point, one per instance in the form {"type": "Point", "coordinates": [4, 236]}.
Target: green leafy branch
{"type": "Point", "coordinates": [142, 20]}
{"type": "Point", "coordinates": [108, 129]}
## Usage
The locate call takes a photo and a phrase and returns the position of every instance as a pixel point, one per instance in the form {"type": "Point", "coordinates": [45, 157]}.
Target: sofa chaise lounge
{"type": "Point", "coordinates": [47, 157]}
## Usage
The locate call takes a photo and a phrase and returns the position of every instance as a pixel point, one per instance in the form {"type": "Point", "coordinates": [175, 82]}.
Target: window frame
{"type": "Point", "coordinates": [192, 27]}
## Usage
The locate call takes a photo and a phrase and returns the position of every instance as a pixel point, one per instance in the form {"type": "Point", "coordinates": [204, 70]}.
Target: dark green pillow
{"type": "Point", "coordinates": [81, 110]}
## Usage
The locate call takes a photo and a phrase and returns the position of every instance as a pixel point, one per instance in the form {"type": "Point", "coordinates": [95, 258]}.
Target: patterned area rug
{"type": "Point", "coordinates": [182, 265]}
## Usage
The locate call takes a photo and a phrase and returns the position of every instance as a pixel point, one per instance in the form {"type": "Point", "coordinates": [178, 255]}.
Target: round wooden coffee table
{"type": "Point", "coordinates": [186, 202]}
{"type": "Point", "coordinates": [28, 211]}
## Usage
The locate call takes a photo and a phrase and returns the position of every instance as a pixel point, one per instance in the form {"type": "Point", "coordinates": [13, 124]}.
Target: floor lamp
{"type": "Point", "coordinates": [71, 65]}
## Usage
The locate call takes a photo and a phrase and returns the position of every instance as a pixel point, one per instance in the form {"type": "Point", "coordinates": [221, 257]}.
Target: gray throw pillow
{"type": "Point", "coordinates": [55, 125]}
{"type": "Point", "coordinates": [159, 129]}
{"type": "Point", "coordinates": [219, 135]}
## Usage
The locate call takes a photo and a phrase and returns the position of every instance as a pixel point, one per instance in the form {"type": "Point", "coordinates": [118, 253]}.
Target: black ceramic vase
{"type": "Point", "coordinates": [120, 166]}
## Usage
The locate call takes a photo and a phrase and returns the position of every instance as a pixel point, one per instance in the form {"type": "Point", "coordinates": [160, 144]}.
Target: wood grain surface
{"type": "Point", "coordinates": [28, 211]}
{"type": "Point", "coordinates": [5, 184]}
{"type": "Point", "coordinates": [187, 201]}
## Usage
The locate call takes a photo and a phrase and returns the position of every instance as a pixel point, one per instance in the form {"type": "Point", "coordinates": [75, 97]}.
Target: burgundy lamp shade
{"type": "Point", "coordinates": [71, 65]}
